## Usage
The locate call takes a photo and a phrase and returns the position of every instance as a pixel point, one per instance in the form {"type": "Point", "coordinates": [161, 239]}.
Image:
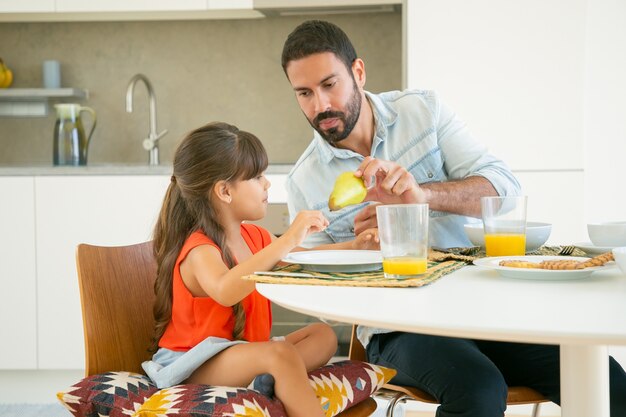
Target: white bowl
{"type": "Point", "coordinates": [537, 234]}
{"type": "Point", "coordinates": [620, 258]}
{"type": "Point", "coordinates": [610, 234]}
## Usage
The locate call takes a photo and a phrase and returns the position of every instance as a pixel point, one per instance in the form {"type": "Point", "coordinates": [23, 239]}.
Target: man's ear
{"type": "Point", "coordinates": [358, 72]}
{"type": "Point", "coordinates": [221, 190]}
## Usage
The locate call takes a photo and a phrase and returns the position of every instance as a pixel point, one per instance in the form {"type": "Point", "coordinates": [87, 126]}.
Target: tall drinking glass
{"type": "Point", "coordinates": [403, 232]}
{"type": "Point", "coordinates": [504, 221]}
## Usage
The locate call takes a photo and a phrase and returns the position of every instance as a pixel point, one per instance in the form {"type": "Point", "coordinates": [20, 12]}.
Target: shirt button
{"type": "Point", "coordinates": [352, 229]}
{"type": "Point", "coordinates": [430, 174]}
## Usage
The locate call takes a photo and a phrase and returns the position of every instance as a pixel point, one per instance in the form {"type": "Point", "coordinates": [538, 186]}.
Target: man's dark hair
{"type": "Point", "coordinates": [316, 36]}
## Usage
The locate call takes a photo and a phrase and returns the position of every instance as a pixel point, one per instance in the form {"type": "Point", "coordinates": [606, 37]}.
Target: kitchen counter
{"type": "Point", "coordinates": [106, 169]}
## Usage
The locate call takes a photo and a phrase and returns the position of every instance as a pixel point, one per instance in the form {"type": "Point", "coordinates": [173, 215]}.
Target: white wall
{"type": "Point", "coordinates": [543, 84]}
{"type": "Point", "coordinates": [605, 111]}
{"type": "Point", "coordinates": [514, 71]}
{"type": "Point", "coordinates": [605, 116]}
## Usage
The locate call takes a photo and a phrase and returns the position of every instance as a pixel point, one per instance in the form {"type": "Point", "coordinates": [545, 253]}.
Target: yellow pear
{"type": "Point", "coordinates": [8, 79]}
{"type": "Point", "coordinates": [6, 76]}
{"type": "Point", "coordinates": [348, 190]}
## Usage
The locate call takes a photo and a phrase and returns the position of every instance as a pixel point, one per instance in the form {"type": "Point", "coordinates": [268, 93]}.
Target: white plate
{"type": "Point", "coordinates": [538, 274]}
{"type": "Point", "coordinates": [337, 260]}
{"type": "Point", "coordinates": [591, 249]}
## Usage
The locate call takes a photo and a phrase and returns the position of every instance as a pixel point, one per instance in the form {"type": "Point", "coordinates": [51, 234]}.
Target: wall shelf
{"type": "Point", "coordinates": [34, 102]}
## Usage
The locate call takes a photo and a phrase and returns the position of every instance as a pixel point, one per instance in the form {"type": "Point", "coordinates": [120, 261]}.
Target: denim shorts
{"type": "Point", "coordinates": [169, 367]}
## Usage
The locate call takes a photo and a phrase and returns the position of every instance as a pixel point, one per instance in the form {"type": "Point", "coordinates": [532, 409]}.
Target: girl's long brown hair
{"type": "Point", "coordinates": [211, 153]}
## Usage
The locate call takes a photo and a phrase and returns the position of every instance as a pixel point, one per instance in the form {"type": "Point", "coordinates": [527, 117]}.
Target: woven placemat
{"type": "Point", "coordinates": [475, 252]}
{"type": "Point", "coordinates": [359, 279]}
{"type": "Point", "coordinates": [439, 264]}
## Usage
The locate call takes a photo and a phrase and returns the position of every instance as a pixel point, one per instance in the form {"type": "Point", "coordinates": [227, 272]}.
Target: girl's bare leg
{"type": "Point", "coordinates": [316, 344]}
{"type": "Point", "coordinates": [239, 364]}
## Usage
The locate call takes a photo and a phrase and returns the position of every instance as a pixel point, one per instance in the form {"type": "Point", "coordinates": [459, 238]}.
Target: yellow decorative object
{"type": "Point", "coordinates": [333, 393]}
{"type": "Point", "coordinates": [160, 403]}
{"type": "Point", "coordinates": [348, 190]}
{"type": "Point", "coordinates": [249, 409]}
{"type": "Point", "coordinates": [6, 75]}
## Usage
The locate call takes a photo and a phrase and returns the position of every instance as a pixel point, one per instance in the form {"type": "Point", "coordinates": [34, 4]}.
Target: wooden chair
{"type": "Point", "coordinates": [117, 295]}
{"type": "Point", "coordinates": [402, 393]}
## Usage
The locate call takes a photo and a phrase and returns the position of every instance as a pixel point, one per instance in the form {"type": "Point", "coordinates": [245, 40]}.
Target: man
{"type": "Point", "coordinates": [411, 128]}
{"type": "Point", "coordinates": [409, 148]}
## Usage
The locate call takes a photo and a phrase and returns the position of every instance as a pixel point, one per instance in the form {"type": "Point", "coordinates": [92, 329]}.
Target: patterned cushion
{"type": "Point", "coordinates": [121, 394]}
{"type": "Point", "coordinates": [114, 394]}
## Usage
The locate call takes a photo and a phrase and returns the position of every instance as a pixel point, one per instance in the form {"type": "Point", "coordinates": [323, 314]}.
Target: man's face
{"type": "Point", "coordinates": [327, 93]}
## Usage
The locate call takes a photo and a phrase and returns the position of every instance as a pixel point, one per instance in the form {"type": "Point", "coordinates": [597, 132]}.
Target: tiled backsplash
{"type": "Point", "coordinates": [201, 71]}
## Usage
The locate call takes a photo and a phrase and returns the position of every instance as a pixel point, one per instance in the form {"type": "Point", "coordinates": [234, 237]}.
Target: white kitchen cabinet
{"type": "Point", "coordinates": [121, 10]}
{"type": "Point", "coordinates": [18, 309]}
{"type": "Point", "coordinates": [228, 4]}
{"type": "Point", "coordinates": [26, 6]}
{"type": "Point", "coordinates": [149, 5]}
{"type": "Point", "coordinates": [101, 210]}
{"type": "Point", "coordinates": [128, 5]}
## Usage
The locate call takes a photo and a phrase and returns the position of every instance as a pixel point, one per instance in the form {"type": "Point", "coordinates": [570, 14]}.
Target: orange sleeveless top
{"type": "Point", "coordinates": [196, 318]}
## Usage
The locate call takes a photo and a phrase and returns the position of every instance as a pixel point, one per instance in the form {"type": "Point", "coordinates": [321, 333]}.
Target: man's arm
{"type": "Point", "coordinates": [458, 197]}
{"type": "Point", "coordinates": [390, 183]}
{"type": "Point", "coordinates": [394, 184]}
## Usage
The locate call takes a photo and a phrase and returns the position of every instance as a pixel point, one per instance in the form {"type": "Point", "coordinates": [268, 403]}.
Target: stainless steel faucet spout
{"type": "Point", "coordinates": [150, 143]}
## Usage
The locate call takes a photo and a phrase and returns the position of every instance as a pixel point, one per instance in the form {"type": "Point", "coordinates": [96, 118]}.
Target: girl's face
{"type": "Point", "coordinates": [249, 198]}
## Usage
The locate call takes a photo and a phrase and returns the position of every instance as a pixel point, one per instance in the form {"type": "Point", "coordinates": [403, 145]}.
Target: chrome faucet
{"type": "Point", "coordinates": [151, 142]}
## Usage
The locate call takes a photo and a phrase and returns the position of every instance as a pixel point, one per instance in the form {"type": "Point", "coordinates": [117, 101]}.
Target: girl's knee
{"type": "Point", "coordinates": [282, 348]}
{"type": "Point", "coordinates": [326, 338]}
{"type": "Point", "coordinates": [326, 333]}
{"type": "Point", "coordinates": [281, 353]}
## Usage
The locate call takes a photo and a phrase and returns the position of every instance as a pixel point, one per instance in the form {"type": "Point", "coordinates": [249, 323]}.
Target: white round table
{"type": "Point", "coordinates": [582, 316]}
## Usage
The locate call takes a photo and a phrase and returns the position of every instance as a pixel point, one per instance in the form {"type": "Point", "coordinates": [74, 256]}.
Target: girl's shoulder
{"type": "Point", "coordinates": [257, 234]}
{"type": "Point", "coordinates": [196, 239]}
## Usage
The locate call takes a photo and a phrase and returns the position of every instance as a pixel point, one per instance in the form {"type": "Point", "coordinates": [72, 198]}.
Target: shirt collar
{"type": "Point", "coordinates": [384, 116]}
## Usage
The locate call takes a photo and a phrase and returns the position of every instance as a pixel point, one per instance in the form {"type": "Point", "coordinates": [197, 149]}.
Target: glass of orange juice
{"type": "Point", "coordinates": [403, 232]}
{"type": "Point", "coordinates": [504, 222]}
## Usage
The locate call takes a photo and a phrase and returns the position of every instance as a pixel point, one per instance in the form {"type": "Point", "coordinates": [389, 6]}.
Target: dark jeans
{"type": "Point", "coordinates": [469, 378]}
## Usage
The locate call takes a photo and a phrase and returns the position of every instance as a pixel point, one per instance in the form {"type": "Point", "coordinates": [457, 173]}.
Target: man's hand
{"type": "Point", "coordinates": [393, 184]}
{"type": "Point", "coordinates": [387, 183]}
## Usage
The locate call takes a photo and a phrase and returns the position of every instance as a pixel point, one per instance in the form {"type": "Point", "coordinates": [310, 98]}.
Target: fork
{"type": "Point", "coordinates": [567, 250]}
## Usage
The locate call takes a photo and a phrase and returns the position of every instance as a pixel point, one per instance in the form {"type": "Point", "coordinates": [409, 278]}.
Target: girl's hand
{"type": "Point", "coordinates": [305, 223]}
{"type": "Point", "coordinates": [367, 240]}
{"type": "Point", "coordinates": [393, 183]}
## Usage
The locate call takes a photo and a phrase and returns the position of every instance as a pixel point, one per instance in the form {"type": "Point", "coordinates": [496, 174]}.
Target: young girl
{"type": "Point", "coordinates": [212, 327]}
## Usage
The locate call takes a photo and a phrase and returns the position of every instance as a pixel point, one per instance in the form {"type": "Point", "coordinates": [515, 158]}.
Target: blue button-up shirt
{"type": "Point", "coordinates": [416, 130]}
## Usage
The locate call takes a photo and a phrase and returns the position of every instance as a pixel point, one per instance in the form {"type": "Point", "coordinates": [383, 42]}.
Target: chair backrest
{"type": "Point", "coordinates": [117, 295]}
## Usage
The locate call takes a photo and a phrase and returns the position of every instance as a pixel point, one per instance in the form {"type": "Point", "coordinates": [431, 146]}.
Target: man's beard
{"type": "Point", "coordinates": [349, 119]}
